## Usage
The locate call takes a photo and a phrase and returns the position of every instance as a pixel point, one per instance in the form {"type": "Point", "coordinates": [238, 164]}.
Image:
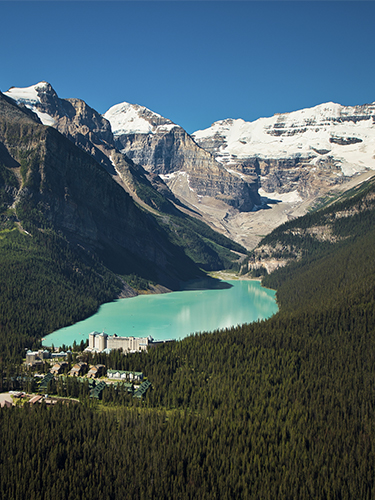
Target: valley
{"type": "Point", "coordinates": [282, 407]}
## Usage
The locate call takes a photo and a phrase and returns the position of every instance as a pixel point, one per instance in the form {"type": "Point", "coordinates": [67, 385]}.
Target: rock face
{"type": "Point", "coordinates": [51, 180]}
{"type": "Point", "coordinates": [228, 173]}
{"type": "Point", "coordinates": [72, 117]}
{"type": "Point", "coordinates": [290, 159]}
{"type": "Point", "coordinates": [306, 151]}
{"type": "Point", "coordinates": [87, 129]}
{"type": "Point", "coordinates": [164, 148]}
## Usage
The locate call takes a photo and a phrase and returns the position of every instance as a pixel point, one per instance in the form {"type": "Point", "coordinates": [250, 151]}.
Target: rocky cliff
{"type": "Point", "coordinates": [56, 185]}
{"type": "Point", "coordinates": [166, 149]}
{"type": "Point", "coordinates": [284, 163]}
{"type": "Point", "coordinates": [91, 132]}
{"type": "Point", "coordinates": [72, 117]}
{"type": "Point", "coordinates": [306, 151]}
{"type": "Point", "coordinates": [243, 178]}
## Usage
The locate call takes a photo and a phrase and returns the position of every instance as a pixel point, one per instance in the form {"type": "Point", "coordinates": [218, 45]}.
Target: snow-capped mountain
{"type": "Point", "coordinates": [72, 117]}
{"type": "Point", "coordinates": [128, 118]}
{"type": "Point", "coordinates": [294, 158]}
{"type": "Point", "coordinates": [31, 98]}
{"type": "Point", "coordinates": [166, 149]}
{"type": "Point", "coordinates": [327, 131]}
{"type": "Point", "coordinates": [234, 167]}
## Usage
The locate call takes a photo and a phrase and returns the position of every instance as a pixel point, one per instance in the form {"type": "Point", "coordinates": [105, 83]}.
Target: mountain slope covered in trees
{"type": "Point", "coordinates": [283, 408]}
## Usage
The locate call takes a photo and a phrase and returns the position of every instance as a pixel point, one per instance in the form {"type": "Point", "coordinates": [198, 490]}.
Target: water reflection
{"type": "Point", "coordinates": [207, 283]}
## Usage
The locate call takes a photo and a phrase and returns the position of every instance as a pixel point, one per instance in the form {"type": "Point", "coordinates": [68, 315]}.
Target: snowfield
{"type": "Point", "coordinates": [309, 133]}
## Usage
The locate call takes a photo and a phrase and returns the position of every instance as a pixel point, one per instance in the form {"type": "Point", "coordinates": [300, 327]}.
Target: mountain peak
{"type": "Point", "coordinates": [29, 94]}
{"type": "Point", "coordinates": [126, 118]}
{"type": "Point", "coordinates": [33, 98]}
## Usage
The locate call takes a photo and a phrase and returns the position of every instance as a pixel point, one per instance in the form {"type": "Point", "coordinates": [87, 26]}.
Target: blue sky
{"type": "Point", "coordinates": [194, 62]}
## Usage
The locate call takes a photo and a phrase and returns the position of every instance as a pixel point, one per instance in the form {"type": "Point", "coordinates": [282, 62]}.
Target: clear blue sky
{"type": "Point", "coordinates": [194, 62]}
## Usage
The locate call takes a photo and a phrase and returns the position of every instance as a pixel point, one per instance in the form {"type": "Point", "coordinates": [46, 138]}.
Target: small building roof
{"type": "Point", "coordinates": [35, 399]}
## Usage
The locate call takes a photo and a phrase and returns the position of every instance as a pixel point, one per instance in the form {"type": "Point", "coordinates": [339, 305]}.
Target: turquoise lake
{"type": "Point", "coordinates": [174, 315]}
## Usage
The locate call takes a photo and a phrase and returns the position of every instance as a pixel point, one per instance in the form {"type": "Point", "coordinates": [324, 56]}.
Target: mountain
{"type": "Point", "coordinates": [150, 140]}
{"type": "Point", "coordinates": [349, 216]}
{"type": "Point", "coordinates": [291, 160]}
{"type": "Point", "coordinates": [77, 121]}
{"type": "Point", "coordinates": [92, 133]}
{"type": "Point", "coordinates": [304, 152]}
{"type": "Point", "coordinates": [191, 173]}
{"type": "Point", "coordinates": [54, 184]}
{"type": "Point", "coordinates": [242, 178]}
{"type": "Point", "coordinates": [84, 126]}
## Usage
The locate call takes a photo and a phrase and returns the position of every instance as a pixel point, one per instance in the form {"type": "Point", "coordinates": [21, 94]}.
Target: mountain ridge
{"type": "Point", "coordinates": [60, 184]}
{"type": "Point", "coordinates": [158, 205]}
{"type": "Point", "coordinates": [243, 178]}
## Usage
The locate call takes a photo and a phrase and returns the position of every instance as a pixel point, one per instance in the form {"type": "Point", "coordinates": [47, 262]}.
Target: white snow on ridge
{"type": "Point", "coordinates": [166, 127]}
{"type": "Point", "coordinates": [45, 118]}
{"type": "Point", "coordinates": [298, 134]}
{"type": "Point", "coordinates": [29, 97]}
{"type": "Point", "coordinates": [125, 119]}
{"type": "Point", "coordinates": [128, 118]}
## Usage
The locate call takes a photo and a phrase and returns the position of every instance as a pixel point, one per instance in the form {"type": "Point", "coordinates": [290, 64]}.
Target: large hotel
{"type": "Point", "coordinates": [99, 342]}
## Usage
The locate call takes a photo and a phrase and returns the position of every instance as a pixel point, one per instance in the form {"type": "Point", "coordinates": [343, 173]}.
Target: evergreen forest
{"type": "Point", "coordinates": [278, 409]}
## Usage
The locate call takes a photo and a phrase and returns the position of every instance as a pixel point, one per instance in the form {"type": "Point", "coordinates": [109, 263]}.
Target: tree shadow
{"type": "Point", "coordinates": [206, 283]}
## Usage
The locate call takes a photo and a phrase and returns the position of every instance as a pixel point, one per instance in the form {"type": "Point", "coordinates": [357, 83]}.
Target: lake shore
{"type": "Point", "coordinates": [228, 275]}
{"type": "Point", "coordinates": [176, 315]}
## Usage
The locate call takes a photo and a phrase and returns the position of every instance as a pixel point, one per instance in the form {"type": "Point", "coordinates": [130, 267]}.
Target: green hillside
{"type": "Point", "coordinates": [317, 233]}
{"type": "Point", "coordinates": [45, 285]}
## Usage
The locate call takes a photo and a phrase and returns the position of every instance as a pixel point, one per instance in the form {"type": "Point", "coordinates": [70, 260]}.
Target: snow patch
{"type": "Point", "coordinates": [291, 197]}
{"type": "Point", "coordinates": [175, 175]}
{"type": "Point", "coordinates": [45, 118]}
{"type": "Point", "coordinates": [113, 163]}
{"type": "Point", "coordinates": [166, 127]}
{"type": "Point", "coordinates": [168, 177]}
{"type": "Point", "coordinates": [235, 172]}
{"type": "Point", "coordinates": [27, 95]}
